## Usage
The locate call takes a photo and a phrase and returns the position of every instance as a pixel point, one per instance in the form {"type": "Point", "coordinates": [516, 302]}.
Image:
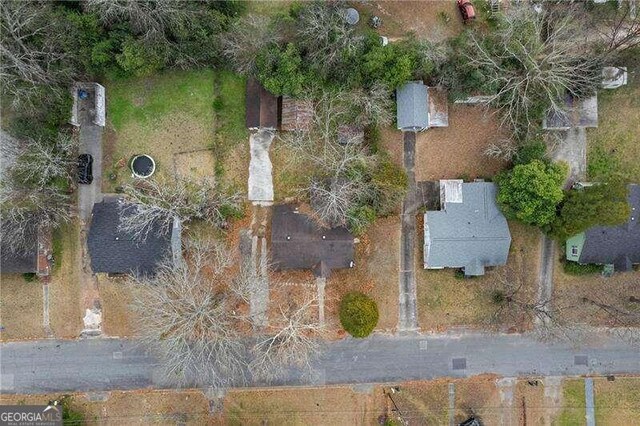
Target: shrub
{"type": "Point", "coordinates": [360, 218]}
{"type": "Point", "coordinates": [573, 268]}
{"type": "Point", "coordinates": [531, 192]}
{"type": "Point", "coordinates": [601, 164]}
{"type": "Point", "coordinates": [533, 150]}
{"type": "Point", "coordinates": [358, 314]}
{"type": "Point", "coordinates": [30, 277]}
{"type": "Point", "coordinates": [281, 71]}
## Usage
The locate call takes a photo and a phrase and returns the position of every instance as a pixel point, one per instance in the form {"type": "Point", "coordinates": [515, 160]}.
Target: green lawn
{"type": "Point", "coordinates": [574, 411]}
{"type": "Point", "coordinates": [614, 146]}
{"type": "Point", "coordinates": [170, 115]}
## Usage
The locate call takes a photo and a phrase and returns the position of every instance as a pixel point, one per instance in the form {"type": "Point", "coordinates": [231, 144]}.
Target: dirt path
{"type": "Point", "coordinates": [407, 312]}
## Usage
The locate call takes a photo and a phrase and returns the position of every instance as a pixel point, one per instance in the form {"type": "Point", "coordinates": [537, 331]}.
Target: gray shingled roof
{"type": "Point", "coordinates": [113, 251]}
{"type": "Point", "coordinates": [617, 245]}
{"type": "Point", "coordinates": [412, 106]}
{"type": "Point", "coordinates": [23, 260]}
{"type": "Point", "coordinates": [470, 235]}
{"type": "Point", "coordinates": [297, 242]}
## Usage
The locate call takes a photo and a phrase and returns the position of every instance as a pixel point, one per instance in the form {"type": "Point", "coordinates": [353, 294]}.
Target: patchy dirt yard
{"type": "Point", "coordinates": [197, 165]}
{"type": "Point", "coordinates": [457, 151]}
{"type": "Point", "coordinates": [304, 406]}
{"type": "Point", "coordinates": [376, 274]}
{"type": "Point", "coordinates": [65, 308]}
{"type": "Point", "coordinates": [160, 116]}
{"type": "Point", "coordinates": [445, 300]}
{"type": "Point", "coordinates": [434, 20]}
{"type": "Point", "coordinates": [20, 308]}
{"type": "Point", "coordinates": [596, 300]}
{"type": "Point", "coordinates": [616, 402]}
{"type": "Point", "coordinates": [116, 298]}
{"type": "Point", "coordinates": [188, 407]}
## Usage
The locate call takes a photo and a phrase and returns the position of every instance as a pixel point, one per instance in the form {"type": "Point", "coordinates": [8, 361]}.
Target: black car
{"type": "Point", "coordinates": [85, 169]}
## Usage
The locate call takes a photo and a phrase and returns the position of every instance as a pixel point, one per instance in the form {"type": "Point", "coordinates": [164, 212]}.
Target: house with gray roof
{"type": "Point", "coordinates": [468, 231]}
{"type": "Point", "coordinates": [20, 260]}
{"type": "Point", "coordinates": [298, 242]}
{"type": "Point", "coordinates": [420, 107]}
{"type": "Point", "coordinates": [113, 251]}
{"type": "Point", "coordinates": [610, 245]}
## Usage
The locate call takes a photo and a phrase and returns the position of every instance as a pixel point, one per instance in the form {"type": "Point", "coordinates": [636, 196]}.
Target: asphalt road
{"type": "Point", "coordinates": [107, 364]}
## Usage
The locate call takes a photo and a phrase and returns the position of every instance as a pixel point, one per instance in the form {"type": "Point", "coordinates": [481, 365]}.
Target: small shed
{"type": "Point", "coordinates": [412, 107]}
{"type": "Point", "coordinates": [420, 107]}
{"type": "Point", "coordinates": [350, 135]}
{"type": "Point", "coordinates": [297, 114]}
{"type": "Point", "coordinates": [261, 107]}
{"type": "Point", "coordinates": [574, 113]}
{"type": "Point", "coordinates": [89, 104]}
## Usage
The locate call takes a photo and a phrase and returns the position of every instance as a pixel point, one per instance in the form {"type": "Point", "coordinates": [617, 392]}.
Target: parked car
{"type": "Point", "coordinates": [85, 169]}
{"type": "Point", "coordinates": [467, 11]}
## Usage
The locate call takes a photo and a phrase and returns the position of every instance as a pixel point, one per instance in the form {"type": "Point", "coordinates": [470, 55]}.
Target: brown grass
{"type": "Point", "coordinates": [569, 291]}
{"type": "Point", "coordinates": [376, 274]}
{"type": "Point", "coordinates": [171, 134]}
{"type": "Point", "coordinates": [116, 297]}
{"type": "Point", "coordinates": [306, 406]}
{"type": "Point", "coordinates": [20, 308]}
{"type": "Point", "coordinates": [617, 402]}
{"type": "Point", "coordinates": [431, 19]}
{"type": "Point", "coordinates": [132, 407]}
{"type": "Point", "coordinates": [458, 150]}
{"type": "Point", "coordinates": [197, 165]}
{"type": "Point", "coordinates": [65, 312]}
{"type": "Point", "coordinates": [446, 301]}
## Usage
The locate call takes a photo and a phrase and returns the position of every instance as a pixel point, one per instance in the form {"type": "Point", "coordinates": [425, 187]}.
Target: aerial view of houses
{"type": "Point", "coordinates": [320, 212]}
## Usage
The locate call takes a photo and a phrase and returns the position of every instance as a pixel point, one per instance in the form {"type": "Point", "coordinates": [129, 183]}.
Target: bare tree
{"type": "Point", "coordinates": [150, 18]}
{"type": "Point", "coordinates": [155, 204]}
{"type": "Point", "coordinates": [187, 319]}
{"type": "Point", "coordinates": [503, 149]}
{"type": "Point", "coordinates": [30, 58]}
{"type": "Point", "coordinates": [619, 30]}
{"type": "Point", "coordinates": [325, 34]}
{"type": "Point", "coordinates": [532, 60]}
{"type": "Point", "coordinates": [291, 342]}
{"type": "Point", "coordinates": [373, 107]}
{"type": "Point", "coordinates": [246, 38]}
{"type": "Point", "coordinates": [32, 192]}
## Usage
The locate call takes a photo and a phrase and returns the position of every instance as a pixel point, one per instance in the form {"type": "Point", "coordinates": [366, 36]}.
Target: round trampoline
{"type": "Point", "coordinates": [142, 166]}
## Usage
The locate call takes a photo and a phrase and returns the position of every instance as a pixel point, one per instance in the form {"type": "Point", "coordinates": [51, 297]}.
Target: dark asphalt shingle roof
{"type": "Point", "coordinates": [617, 245]}
{"type": "Point", "coordinates": [113, 251]}
{"type": "Point", "coordinates": [297, 242]}
{"type": "Point", "coordinates": [471, 234]}
{"type": "Point", "coordinates": [261, 107]}
{"type": "Point", "coordinates": [24, 260]}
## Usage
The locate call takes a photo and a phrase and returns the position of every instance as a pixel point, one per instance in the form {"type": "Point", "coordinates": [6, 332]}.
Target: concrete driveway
{"type": "Point", "coordinates": [90, 143]}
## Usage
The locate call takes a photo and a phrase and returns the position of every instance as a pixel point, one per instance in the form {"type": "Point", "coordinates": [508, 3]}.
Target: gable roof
{"type": "Point", "coordinates": [113, 251]}
{"type": "Point", "coordinates": [617, 245]}
{"type": "Point", "coordinates": [297, 242]}
{"type": "Point", "coordinates": [469, 232]}
{"type": "Point", "coordinates": [24, 260]}
{"type": "Point", "coordinates": [261, 107]}
{"type": "Point", "coordinates": [412, 106]}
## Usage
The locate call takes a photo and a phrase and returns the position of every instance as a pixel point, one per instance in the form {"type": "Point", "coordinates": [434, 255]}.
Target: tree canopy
{"type": "Point", "coordinates": [531, 192]}
{"type": "Point", "coordinates": [601, 204]}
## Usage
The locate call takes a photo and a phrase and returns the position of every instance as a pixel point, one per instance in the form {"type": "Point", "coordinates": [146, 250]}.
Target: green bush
{"type": "Point", "coordinates": [358, 314]}
{"type": "Point", "coordinates": [30, 277]}
{"type": "Point", "coordinates": [573, 268]}
{"type": "Point", "coordinates": [533, 150]}
{"type": "Point", "coordinates": [281, 70]}
{"type": "Point", "coordinates": [360, 218]}
{"type": "Point", "coordinates": [531, 192]}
